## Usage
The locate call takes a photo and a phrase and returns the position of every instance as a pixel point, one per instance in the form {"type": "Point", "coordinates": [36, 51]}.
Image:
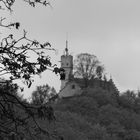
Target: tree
{"type": "Point", "coordinates": [132, 135]}
{"type": "Point", "coordinates": [9, 3]}
{"type": "Point", "coordinates": [87, 66]}
{"type": "Point", "coordinates": [99, 72]}
{"type": "Point", "coordinates": [42, 94]}
{"type": "Point", "coordinates": [130, 95]}
{"type": "Point", "coordinates": [16, 116]}
{"type": "Point", "coordinates": [23, 57]}
{"type": "Point", "coordinates": [128, 99]}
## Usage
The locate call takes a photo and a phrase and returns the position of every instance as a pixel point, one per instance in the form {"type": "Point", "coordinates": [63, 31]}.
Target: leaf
{"type": "Point", "coordinates": [41, 46]}
{"type": "Point", "coordinates": [30, 83]}
{"type": "Point", "coordinates": [21, 89]}
{"type": "Point", "coordinates": [17, 24]}
{"type": "Point", "coordinates": [47, 44]}
{"type": "Point", "coordinates": [56, 70]}
{"type": "Point", "coordinates": [32, 4]}
{"type": "Point", "coordinates": [11, 36]}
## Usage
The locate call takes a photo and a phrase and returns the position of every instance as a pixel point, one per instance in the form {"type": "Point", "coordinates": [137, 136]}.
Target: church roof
{"type": "Point", "coordinates": [110, 85]}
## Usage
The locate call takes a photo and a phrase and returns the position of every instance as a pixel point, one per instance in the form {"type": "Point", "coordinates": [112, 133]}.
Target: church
{"type": "Point", "coordinates": [71, 86]}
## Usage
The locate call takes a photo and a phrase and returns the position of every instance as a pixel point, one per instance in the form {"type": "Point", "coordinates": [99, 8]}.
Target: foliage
{"type": "Point", "coordinates": [42, 94]}
{"type": "Point", "coordinates": [102, 97]}
{"type": "Point", "coordinates": [108, 118]}
{"type": "Point", "coordinates": [95, 115]}
{"type": "Point", "coordinates": [99, 133]}
{"type": "Point", "coordinates": [99, 72]}
{"type": "Point", "coordinates": [132, 135]}
{"type": "Point", "coordinates": [18, 117]}
{"type": "Point", "coordinates": [22, 58]}
{"type": "Point", "coordinates": [9, 3]}
{"type": "Point", "coordinates": [16, 61]}
{"type": "Point", "coordinates": [87, 66]}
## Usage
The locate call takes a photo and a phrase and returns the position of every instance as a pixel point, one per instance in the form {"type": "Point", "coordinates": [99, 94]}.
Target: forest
{"type": "Point", "coordinates": [95, 114]}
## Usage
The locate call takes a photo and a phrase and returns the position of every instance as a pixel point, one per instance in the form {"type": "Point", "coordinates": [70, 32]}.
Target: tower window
{"type": "Point", "coordinates": [73, 87]}
{"type": "Point", "coordinates": [67, 64]}
{"type": "Point", "coordinates": [62, 76]}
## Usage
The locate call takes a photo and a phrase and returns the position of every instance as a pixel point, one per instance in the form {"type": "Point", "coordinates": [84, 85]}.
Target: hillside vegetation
{"type": "Point", "coordinates": [98, 115]}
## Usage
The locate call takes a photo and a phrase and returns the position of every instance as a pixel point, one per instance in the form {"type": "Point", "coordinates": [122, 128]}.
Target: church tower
{"type": "Point", "coordinates": [67, 65]}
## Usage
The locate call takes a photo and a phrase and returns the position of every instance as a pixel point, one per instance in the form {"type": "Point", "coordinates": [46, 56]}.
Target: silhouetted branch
{"type": "Point", "coordinates": [21, 59]}
{"type": "Point", "coordinates": [16, 59]}
{"type": "Point", "coordinates": [33, 2]}
{"type": "Point", "coordinates": [9, 3]}
{"type": "Point", "coordinates": [9, 107]}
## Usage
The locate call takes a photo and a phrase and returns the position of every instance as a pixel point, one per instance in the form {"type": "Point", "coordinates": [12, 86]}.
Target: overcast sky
{"type": "Point", "coordinates": [109, 29]}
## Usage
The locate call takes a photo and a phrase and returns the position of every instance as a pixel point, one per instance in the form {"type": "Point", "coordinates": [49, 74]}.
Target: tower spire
{"type": "Point", "coordinates": [66, 49]}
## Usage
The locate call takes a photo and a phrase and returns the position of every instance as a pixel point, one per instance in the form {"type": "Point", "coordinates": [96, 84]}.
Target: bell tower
{"type": "Point", "coordinates": [67, 65]}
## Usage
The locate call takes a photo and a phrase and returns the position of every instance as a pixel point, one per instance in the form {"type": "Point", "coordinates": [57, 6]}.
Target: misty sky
{"type": "Point", "coordinates": [109, 29]}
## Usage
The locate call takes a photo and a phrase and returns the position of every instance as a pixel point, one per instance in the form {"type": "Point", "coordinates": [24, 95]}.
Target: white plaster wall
{"type": "Point", "coordinates": [68, 91]}
{"type": "Point", "coordinates": [67, 65]}
{"type": "Point", "coordinates": [63, 83]}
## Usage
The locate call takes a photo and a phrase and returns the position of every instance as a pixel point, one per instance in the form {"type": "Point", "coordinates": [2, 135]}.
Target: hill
{"type": "Point", "coordinates": [98, 115]}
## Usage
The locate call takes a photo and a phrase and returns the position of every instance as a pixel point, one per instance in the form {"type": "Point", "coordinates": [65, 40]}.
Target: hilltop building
{"type": "Point", "coordinates": [71, 86]}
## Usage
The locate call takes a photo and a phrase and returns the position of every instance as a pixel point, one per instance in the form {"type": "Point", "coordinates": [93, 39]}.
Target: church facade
{"type": "Point", "coordinates": [68, 86]}
{"type": "Point", "coordinates": [71, 86]}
